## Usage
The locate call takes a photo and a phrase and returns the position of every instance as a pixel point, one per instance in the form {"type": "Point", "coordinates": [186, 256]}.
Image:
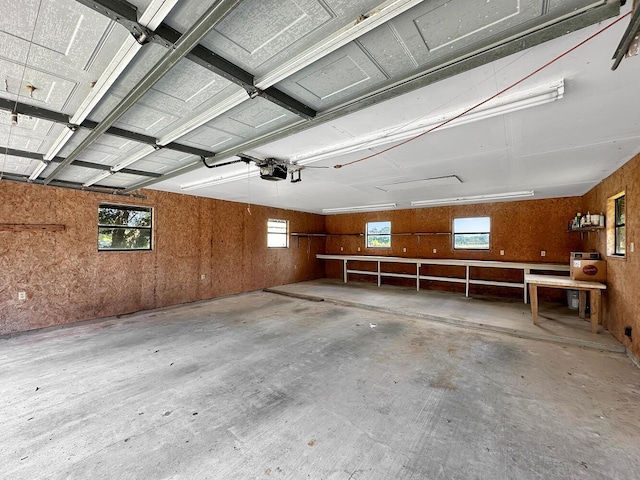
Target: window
{"type": "Point", "coordinates": [471, 233]}
{"type": "Point", "coordinates": [379, 235]}
{"type": "Point", "coordinates": [122, 227]}
{"type": "Point", "coordinates": [620, 226]}
{"type": "Point", "coordinates": [277, 233]}
{"type": "Point", "coordinates": [616, 225]}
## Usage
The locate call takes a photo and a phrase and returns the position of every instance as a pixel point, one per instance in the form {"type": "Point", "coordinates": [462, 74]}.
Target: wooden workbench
{"type": "Point", "coordinates": [554, 281]}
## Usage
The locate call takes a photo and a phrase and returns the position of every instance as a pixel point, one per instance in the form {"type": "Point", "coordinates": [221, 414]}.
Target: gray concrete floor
{"type": "Point", "coordinates": [264, 386]}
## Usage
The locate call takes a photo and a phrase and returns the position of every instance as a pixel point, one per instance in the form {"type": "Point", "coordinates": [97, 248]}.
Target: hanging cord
{"type": "Point", "coordinates": [506, 89]}
{"type": "Point", "coordinates": [6, 84]}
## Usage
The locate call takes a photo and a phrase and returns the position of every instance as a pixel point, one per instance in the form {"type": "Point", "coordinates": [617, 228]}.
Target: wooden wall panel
{"type": "Point", "coordinates": [621, 302]}
{"type": "Point", "coordinates": [66, 279]}
{"type": "Point", "coordinates": [522, 229]}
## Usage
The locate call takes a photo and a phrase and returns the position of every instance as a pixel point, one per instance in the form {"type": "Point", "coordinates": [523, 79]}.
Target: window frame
{"type": "Point", "coordinates": [619, 226]}
{"type": "Point", "coordinates": [454, 235]}
{"type": "Point", "coordinates": [285, 234]}
{"type": "Point", "coordinates": [138, 208]}
{"type": "Point", "coordinates": [369, 234]}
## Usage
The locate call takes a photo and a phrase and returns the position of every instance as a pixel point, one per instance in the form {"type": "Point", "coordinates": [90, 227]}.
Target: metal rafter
{"type": "Point", "coordinates": [447, 69]}
{"type": "Point", "coordinates": [78, 163]}
{"type": "Point", "coordinates": [125, 14]}
{"type": "Point", "coordinates": [180, 49]}
{"type": "Point", "coordinates": [61, 118]}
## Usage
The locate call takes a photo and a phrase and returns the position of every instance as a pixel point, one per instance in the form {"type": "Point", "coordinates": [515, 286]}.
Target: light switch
{"type": "Point", "coordinates": [543, 253]}
{"type": "Point", "coordinates": [358, 248]}
{"type": "Point", "coordinates": [501, 252]}
{"type": "Point", "coordinates": [434, 250]}
{"type": "Point", "coordinates": [342, 249]}
{"type": "Point", "coordinates": [404, 250]}
{"type": "Point", "coordinates": [631, 247]}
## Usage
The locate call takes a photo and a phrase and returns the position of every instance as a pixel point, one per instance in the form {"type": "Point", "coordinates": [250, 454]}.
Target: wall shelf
{"type": "Point", "coordinates": [28, 227]}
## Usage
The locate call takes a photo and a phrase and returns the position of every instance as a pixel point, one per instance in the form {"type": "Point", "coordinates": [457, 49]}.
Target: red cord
{"type": "Point", "coordinates": [537, 70]}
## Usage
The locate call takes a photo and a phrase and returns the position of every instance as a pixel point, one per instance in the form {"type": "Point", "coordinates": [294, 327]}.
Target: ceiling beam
{"type": "Point", "coordinates": [125, 14]}
{"type": "Point", "coordinates": [472, 58]}
{"type": "Point", "coordinates": [78, 163]}
{"type": "Point", "coordinates": [61, 118]}
{"type": "Point", "coordinates": [224, 68]}
{"type": "Point", "coordinates": [180, 49]}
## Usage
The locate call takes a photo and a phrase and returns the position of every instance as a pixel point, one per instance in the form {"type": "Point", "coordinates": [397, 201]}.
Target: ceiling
{"type": "Point", "coordinates": [114, 96]}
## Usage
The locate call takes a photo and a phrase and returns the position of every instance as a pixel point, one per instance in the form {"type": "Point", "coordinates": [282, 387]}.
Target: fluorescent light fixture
{"type": "Point", "coordinates": [120, 61]}
{"type": "Point", "coordinates": [140, 154]}
{"type": "Point", "coordinates": [231, 101]}
{"type": "Point", "coordinates": [97, 178]}
{"type": "Point", "coordinates": [376, 17]}
{"type": "Point", "coordinates": [361, 208]}
{"type": "Point", "coordinates": [60, 142]}
{"type": "Point", "coordinates": [473, 198]}
{"type": "Point", "coordinates": [156, 12]}
{"type": "Point", "coordinates": [39, 169]}
{"type": "Point", "coordinates": [220, 180]}
{"type": "Point", "coordinates": [532, 97]}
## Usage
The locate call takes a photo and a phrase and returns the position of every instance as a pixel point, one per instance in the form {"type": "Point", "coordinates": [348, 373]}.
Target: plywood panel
{"type": "Point", "coordinates": [66, 279]}
{"type": "Point", "coordinates": [522, 229]}
{"type": "Point", "coordinates": [620, 306]}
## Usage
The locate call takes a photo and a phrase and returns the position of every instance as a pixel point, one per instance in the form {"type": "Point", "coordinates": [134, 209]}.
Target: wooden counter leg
{"type": "Point", "coordinates": [595, 310]}
{"type": "Point", "coordinates": [582, 304]}
{"type": "Point", "coordinates": [533, 296]}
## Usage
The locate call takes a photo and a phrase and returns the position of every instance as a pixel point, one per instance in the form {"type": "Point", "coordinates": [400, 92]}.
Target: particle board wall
{"type": "Point", "coordinates": [66, 279]}
{"type": "Point", "coordinates": [522, 229]}
{"type": "Point", "coordinates": [621, 301]}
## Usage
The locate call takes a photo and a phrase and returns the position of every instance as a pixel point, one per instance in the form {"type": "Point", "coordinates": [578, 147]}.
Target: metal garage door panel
{"type": "Point", "coordinates": [248, 120]}
{"type": "Point", "coordinates": [260, 35]}
{"type": "Point", "coordinates": [17, 165]}
{"type": "Point", "coordinates": [164, 161]}
{"type": "Point", "coordinates": [340, 76]}
{"type": "Point", "coordinates": [30, 133]}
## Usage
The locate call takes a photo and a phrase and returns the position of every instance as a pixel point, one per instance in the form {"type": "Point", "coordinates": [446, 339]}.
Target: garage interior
{"type": "Point", "coordinates": [229, 239]}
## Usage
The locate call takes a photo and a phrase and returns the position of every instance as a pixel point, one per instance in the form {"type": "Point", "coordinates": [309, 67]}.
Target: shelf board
{"type": "Point", "coordinates": [586, 229]}
{"type": "Point", "coordinates": [26, 227]}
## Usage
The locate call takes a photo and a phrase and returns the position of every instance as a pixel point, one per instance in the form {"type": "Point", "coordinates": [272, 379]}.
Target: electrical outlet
{"type": "Point", "coordinates": [22, 295]}
{"type": "Point", "coordinates": [358, 248]}
{"type": "Point", "coordinates": [404, 250]}
{"type": "Point", "coordinates": [501, 252]}
{"type": "Point", "coordinates": [434, 250]}
{"type": "Point", "coordinates": [543, 253]}
{"type": "Point", "coordinates": [342, 249]}
{"type": "Point", "coordinates": [203, 276]}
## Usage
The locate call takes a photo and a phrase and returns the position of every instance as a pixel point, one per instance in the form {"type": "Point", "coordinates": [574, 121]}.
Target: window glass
{"type": "Point", "coordinates": [122, 227]}
{"type": "Point", "coordinates": [277, 233]}
{"type": "Point", "coordinates": [620, 227]}
{"type": "Point", "coordinates": [471, 233]}
{"type": "Point", "coordinates": [379, 235]}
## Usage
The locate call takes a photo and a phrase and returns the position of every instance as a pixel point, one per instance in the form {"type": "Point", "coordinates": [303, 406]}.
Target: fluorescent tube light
{"type": "Point", "coordinates": [218, 109]}
{"type": "Point", "coordinates": [376, 17]}
{"type": "Point", "coordinates": [156, 12]}
{"type": "Point", "coordinates": [502, 105]}
{"type": "Point", "coordinates": [140, 154]}
{"type": "Point", "coordinates": [473, 198]}
{"type": "Point", "coordinates": [39, 169]}
{"type": "Point", "coordinates": [361, 208]}
{"type": "Point", "coordinates": [220, 180]}
{"type": "Point", "coordinates": [120, 61]}
{"type": "Point", "coordinates": [97, 178]}
{"type": "Point", "coordinates": [60, 142]}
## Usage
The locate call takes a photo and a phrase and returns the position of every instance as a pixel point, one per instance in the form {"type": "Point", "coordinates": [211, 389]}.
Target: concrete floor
{"type": "Point", "coordinates": [263, 386]}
